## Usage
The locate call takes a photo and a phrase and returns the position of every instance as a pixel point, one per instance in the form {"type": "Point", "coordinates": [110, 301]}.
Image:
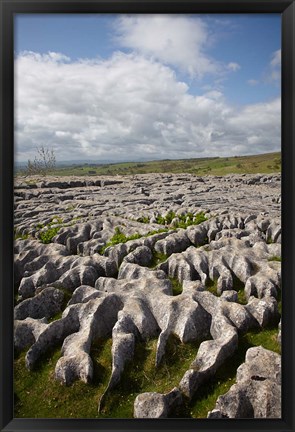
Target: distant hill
{"type": "Point", "coordinates": [262, 163]}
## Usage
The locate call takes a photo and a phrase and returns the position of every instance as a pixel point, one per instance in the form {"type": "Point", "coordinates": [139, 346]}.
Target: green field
{"type": "Point", "coordinates": [263, 163]}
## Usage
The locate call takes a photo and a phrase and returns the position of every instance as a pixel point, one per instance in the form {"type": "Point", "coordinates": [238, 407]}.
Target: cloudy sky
{"type": "Point", "coordinates": [144, 87]}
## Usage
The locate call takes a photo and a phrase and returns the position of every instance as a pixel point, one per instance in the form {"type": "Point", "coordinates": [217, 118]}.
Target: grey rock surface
{"type": "Point", "coordinates": [257, 392]}
{"type": "Point", "coordinates": [43, 305]}
{"type": "Point", "coordinates": [156, 405]}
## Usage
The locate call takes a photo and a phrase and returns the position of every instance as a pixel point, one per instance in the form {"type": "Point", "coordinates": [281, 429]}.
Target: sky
{"type": "Point", "coordinates": [106, 87]}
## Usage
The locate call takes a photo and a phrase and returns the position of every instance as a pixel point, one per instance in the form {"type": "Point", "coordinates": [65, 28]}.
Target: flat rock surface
{"type": "Point", "coordinates": [100, 257]}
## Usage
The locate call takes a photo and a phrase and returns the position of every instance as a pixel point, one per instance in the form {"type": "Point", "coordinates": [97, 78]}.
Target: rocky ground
{"type": "Point", "coordinates": [99, 257]}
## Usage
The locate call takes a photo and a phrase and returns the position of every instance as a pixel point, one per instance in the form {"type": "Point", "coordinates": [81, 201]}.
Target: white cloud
{"type": "Point", "coordinates": [172, 39]}
{"type": "Point", "coordinates": [274, 69]}
{"type": "Point", "coordinates": [129, 107]}
{"type": "Point", "coordinates": [178, 41]}
{"type": "Point", "coordinates": [276, 59]}
{"type": "Point", "coordinates": [233, 67]}
{"type": "Point", "coordinates": [258, 124]}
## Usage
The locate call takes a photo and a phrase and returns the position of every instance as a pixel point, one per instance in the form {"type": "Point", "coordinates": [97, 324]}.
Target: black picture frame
{"type": "Point", "coordinates": [10, 7]}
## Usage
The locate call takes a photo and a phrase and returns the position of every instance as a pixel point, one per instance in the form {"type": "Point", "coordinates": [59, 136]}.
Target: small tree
{"type": "Point", "coordinates": [43, 163]}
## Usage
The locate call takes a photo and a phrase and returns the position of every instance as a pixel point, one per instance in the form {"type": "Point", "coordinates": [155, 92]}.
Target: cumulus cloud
{"type": "Point", "coordinates": [129, 107]}
{"type": "Point", "coordinates": [253, 121]}
{"type": "Point", "coordinates": [178, 41]}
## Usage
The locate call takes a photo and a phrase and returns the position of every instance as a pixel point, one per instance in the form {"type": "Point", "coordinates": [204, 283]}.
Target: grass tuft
{"type": "Point", "coordinates": [47, 235]}
{"type": "Point", "coordinates": [211, 286]}
{"type": "Point", "coordinates": [176, 286]}
{"type": "Point", "coordinates": [275, 258]}
{"type": "Point", "coordinates": [157, 259]}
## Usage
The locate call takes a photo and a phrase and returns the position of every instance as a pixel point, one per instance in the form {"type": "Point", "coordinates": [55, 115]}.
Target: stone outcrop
{"type": "Point", "coordinates": [257, 392]}
{"type": "Point", "coordinates": [156, 405]}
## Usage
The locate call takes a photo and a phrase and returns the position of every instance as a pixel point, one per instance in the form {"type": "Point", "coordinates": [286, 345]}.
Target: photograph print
{"type": "Point", "coordinates": [147, 216]}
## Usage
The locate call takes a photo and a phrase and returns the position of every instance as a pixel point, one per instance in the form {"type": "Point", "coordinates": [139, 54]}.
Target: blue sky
{"type": "Point", "coordinates": [211, 76]}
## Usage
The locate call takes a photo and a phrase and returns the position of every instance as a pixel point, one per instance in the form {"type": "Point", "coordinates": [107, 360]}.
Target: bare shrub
{"type": "Point", "coordinates": [43, 163]}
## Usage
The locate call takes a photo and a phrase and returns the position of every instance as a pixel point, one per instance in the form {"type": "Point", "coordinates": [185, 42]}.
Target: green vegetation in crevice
{"type": "Point", "coordinates": [176, 286]}
{"type": "Point", "coordinates": [159, 231]}
{"type": "Point", "coordinates": [55, 317]}
{"type": "Point", "coordinates": [242, 299]}
{"type": "Point", "coordinates": [211, 286]}
{"type": "Point", "coordinates": [47, 235]}
{"type": "Point", "coordinates": [205, 243]}
{"type": "Point", "coordinates": [239, 287]}
{"type": "Point", "coordinates": [181, 221]}
{"type": "Point", "coordinates": [157, 259]}
{"type": "Point", "coordinates": [143, 219]}
{"type": "Point", "coordinates": [120, 237]}
{"type": "Point", "coordinates": [47, 232]}
{"type": "Point", "coordinates": [166, 220]}
{"type": "Point", "coordinates": [70, 208]}
{"type": "Point", "coordinates": [189, 219]}
{"type": "Point", "coordinates": [275, 258]}
{"type": "Point", "coordinates": [55, 220]}
{"type": "Point", "coordinates": [67, 295]}
{"type": "Point", "coordinates": [18, 235]}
